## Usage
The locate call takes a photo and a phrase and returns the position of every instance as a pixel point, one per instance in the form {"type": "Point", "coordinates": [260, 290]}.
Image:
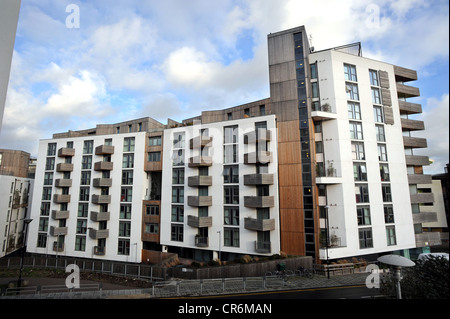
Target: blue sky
{"type": "Point", "coordinates": [174, 58]}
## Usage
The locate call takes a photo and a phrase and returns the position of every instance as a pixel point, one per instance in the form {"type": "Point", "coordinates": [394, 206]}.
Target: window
{"type": "Point", "coordinates": [125, 211]}
{"type": "Point", "coordinates": [81, 226]}
{"type": "Point", "coordinates": [154, 156]}
{"type": "Point", "coordinates": [376, 99]}
{"type": "Point", "coordinates": [363, 213]}
{"type": "Point", "coordinates": [373, 77]}
{"type": "Point", "coordinates": [85, 178]}
{"type": "Point", "coordinates": [388, 214]}
{"type": "Point", "coordinates": [47, 193]}
{"type": "Point", "coordinates": [390, 236]}
{"type": "Point", "coordinates": [84, 194]}
{"type": "Point", "coordinates": [151, 229]}
{"type": "Point", "coordinates": [319, 147]}
{"type": "Point", "coordinates": [315, 89]}
{"type": "Point", "coordinates": [124, 229]}
{"type": "Point", "coordinates": [356, 131]}
{"type": "Point", "coordinates": [354, 111]}
{"type": "Point", "coordinates": [362, 193]}
{"type": "Point", "coordinates": [128, 161]}
{"type": "Point", "coordinates": [43, 224]}
{"type": "Point", "coordinates": [48, 178]}
{"type": "Point", "coordinates": [152, 210]}
{"type": "Point", "coordinates": [50, 164]}
{"type": "Point", "coordinates": [231, 237]}
{"type": "Point", "coordinates": [178, 158]}
{"type": "Point", "coordinates": [352, 91]}
{"type": "Point", "coordinates": [231, 216]}
{"type": "Point", "coordinates": [127, 177]}
{"type": "Point", "coordinates": [108, 141]}
{"type": "Point", "coordinates": [359, 172]}
{"type": "Point", "coordinates": [42, 240]}
{"type": "Point", "coordinates": [231, 174]}
{"type": "Point", "coordinates": [380, 133]}
{"type": "Point", "coordinates": [313, 68]}
{"type": "Point", "coordinates": [262, 110]}
{"type": "Point", "coordinates": [178, 176]}
{"type": "Point", "coordinates": [386, 190]}
{"type": "Point", "coordinates": [378, 114]}
{"type": "Point", "coordinates": [247, 112]}
{"type": "Point", "coordinates": [231, 194]}
{"type": "Point", "coordinates": [365, 238]}
{"type": "Point", "coordinates": [178, 140]}
{"type": "Point", "coordinates": [384, 172]}
{"type": "Point", "coordinates": [176, 232]}
{"type": "Point", "coordinates": [86, 162]}
{"type": "Point", "coordinates": [45, 208]}
{"type": "Point", "coordinates": [51, 149]}
{"type": "Point", "coordinates": [350, 72]}
{"type": "Point", "coordinates": [178, 194]}
{"type": "Point", "coordinates": [230, 154]}
{"type": "Point", "coordinates": [126, 194]}
{"type": "Point", "coordinates": [128, 144]}
{"type": "Point", "coordinates": [230, 134]}
{"type": "Point", "coordinates": [154, 141]}
{"type": "Point", "coordinates": [177, 214]}
{"type": "Point", "coordinates": [83, 209]}
{"type": "Point", "coordinates": [88, 147]}
{"type": "Point", "coordinates": [80, 243]}
{"type": "Point", "coordinates": [123, 247]}
{"type": "Point", "coordinates": [382, 153]}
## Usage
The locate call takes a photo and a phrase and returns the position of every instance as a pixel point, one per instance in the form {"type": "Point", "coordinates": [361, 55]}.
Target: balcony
{"type": "Point", "coordinates": [200, 142]}
{"type": "Point", "coordinates": [103, 166]}
{"type": "Point", "coordinates": [404, 74]}
{"type": "Point", "coordinates": [259, 224]}
{"type": "Point", "coordinates": [258, 201]}
{"type": "Point", "coordinates": [61, 198]}
{"type": "Point", "coordinates": [259, 157]}
{"type": "Point", "coordinates": [99, 250]}
{"type": "Point", "coordinates": [199, 222]}
{"type": "Point", "coordinates": [258, 179]}
{"type": "Point", "coordinates": [260, 135]}
{"type": "Point", "coordinates": [199, 161]}
{"type": "Point", "coordinates": [421, 198]}
{"type": "Point", "coordinates": [419, 179]}
{"type": "Point", "coordinates": [196, 181]}
{"type": "Point", "coordinates": [327, 176]}
{"type": "Point", "coordinates": [425, 217]}
{"type": "Point", "coordinates": [415, 142]}
{"type": "Point", "coordinates": [263, 247]}
{"type": "Point", "coordinates": [64, 167]}
{"type": "Point", "coordinates": [201, 241]}
{"type": "Point", "coordinates": [428, 239]}
{"type": "Point", "coordinates": [65, 151]}
{"type": "Point", "coordinates": [104, 150]}
{"type": "Point", "coordinates": [98, 233]}
{"type": "Point", "coordinates": [323, 113]}
{"type": "Point", "coordinates": [412, 125]}
{"type": "Point", "coordinates": [60, 214]}
{"type": "Point", "coordinates": [62, 182]}
{"type": "Point", "coordinates": [59, 247]}
{"type": "Point", "coordinates": [58, 231]}
{"type": "Point", "coordinates": [417, 160]}
{"type": "Point", "coordinates": [100, 216]}
{"type": "Point", "coordinates": [198, 201]}
{"type": "Point", "coordinates": [406, 91]}
{"type": "Point", "coordinates": [102, 182]}
{"type": "Point", "coordinates": [409, 108]}
{"type": "Point", "coordinates": [101, 199]}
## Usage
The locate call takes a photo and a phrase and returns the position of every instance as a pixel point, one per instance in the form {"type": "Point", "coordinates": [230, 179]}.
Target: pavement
{"type": "Point", "coordinates": [180, 288]}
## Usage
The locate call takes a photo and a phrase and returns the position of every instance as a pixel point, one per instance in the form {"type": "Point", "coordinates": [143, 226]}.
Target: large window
{"type": "Point", "coordinates": [231, 194]}
{"type": "Point", "coordinates": [354, 110]}
{"type": "Point", "coordinates": [231, 216]}
{"type": "Point", "coordinates": [359, 172]}
{"type": "Point", "coordinates": [376, 98]}
{"type": "Point", "coordinates": [231, 174]}
{"type": "Point", "coordinates": [128, 144]}
{"type": "Point", "coordinates": [356, 132]}
{"type": "Point", "coordinates": [358, 151]}
{"type": "Point", "coordinates": [388, 214]}
{"type": "Point", "coordinates": [177, 214]}
{"type": "Point", "coordinates": [382, 153]}
{"type": "Point", "coordinates": [88, 147]}
{"type": "Point", "coordinates": [365, 238]}
{"type": "Point", "coordinates": [128, 161]}
{"type": "Point", "coordinates": [390, 236]}
{"type": "Point", "coordinates": [350, 72]}
{"type": "Point", "coordinates": [380, 133]}
{"type": "Point", "coordinates": [178, 176]}
{"type": "Point", "coordinates": [362, 193]}
{"type": "Point", "coordinates": [373, 77]}
{"type": "Point", "coordinates": [231, 237]}
{"type": "Point", "coordinates": [178, 194]}
{"type": "Point", "coordinates": [177, 232]}
{"type": "Point", "coordinates": [363, 213]}
{"type": "Point", "coordinates": [178, 140]}
{"type": "Point", "coordinates": [352, 91]}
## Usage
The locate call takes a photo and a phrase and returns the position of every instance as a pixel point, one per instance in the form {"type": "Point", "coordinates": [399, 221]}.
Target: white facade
{"type": "Point", "coordinates": [83, 231]}
{"type": "Point", "coordinates": [343, 222]}
{"type": "Point", "coordinates": [15, 193]}
{"type": "Point", "coordinates": [218, 226]}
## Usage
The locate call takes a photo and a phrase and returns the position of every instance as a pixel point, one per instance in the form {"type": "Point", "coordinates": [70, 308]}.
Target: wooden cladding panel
{"type": "Point", "coordinates": [290, 175]}
{"type": "Point", "coordinates": [288, 131]}
{"type": "Point", "coordinates": [289, 153]}
{"type": "Point", "coordinates": [388, 115]}
{"type": "Point", "coordinates": [386, 97]}
{"type": "Point", "coordinates": [384, 79]}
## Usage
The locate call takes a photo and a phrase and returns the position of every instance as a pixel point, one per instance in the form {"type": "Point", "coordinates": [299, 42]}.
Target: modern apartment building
{"type": "Point", "coordinates": [15, 194]}
{"type": "Point", "coordinates": [325, 167]}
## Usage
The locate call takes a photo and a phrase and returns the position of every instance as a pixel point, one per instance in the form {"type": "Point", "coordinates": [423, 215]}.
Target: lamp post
{"type": "Point", "coordinates": [26, 221]}
{"type": "Point", "coordinates": [219, 232]}
{"type": "Point", "coordinates": [398, 262]}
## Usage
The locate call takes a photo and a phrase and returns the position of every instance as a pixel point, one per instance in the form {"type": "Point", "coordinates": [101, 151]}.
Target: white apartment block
{"type": "Point", "coordinates": [220, 190]}
{"type": "Point", "coordinates": [88, 197]}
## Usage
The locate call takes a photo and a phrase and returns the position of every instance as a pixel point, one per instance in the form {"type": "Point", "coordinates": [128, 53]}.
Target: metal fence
{"type": "Point", "coordinates": [139, 271]}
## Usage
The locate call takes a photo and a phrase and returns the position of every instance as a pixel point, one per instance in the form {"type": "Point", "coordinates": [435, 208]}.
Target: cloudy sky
{"type": "Point", "coordinates": [175, 58]}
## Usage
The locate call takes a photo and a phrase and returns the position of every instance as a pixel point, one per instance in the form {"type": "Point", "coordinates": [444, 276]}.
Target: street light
{"type": "Point", "coordinates": [26, 221]}
{"type": "Point", "coordinates": [326, 239]}
{"type": "Point", "coordinates": [398, 262]}
{"type": "Point", "coordinates": [219, 232]}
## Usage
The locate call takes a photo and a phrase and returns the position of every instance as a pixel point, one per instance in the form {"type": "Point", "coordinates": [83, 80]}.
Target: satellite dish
{"type": "Point", "coordinates": [395, 260]}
